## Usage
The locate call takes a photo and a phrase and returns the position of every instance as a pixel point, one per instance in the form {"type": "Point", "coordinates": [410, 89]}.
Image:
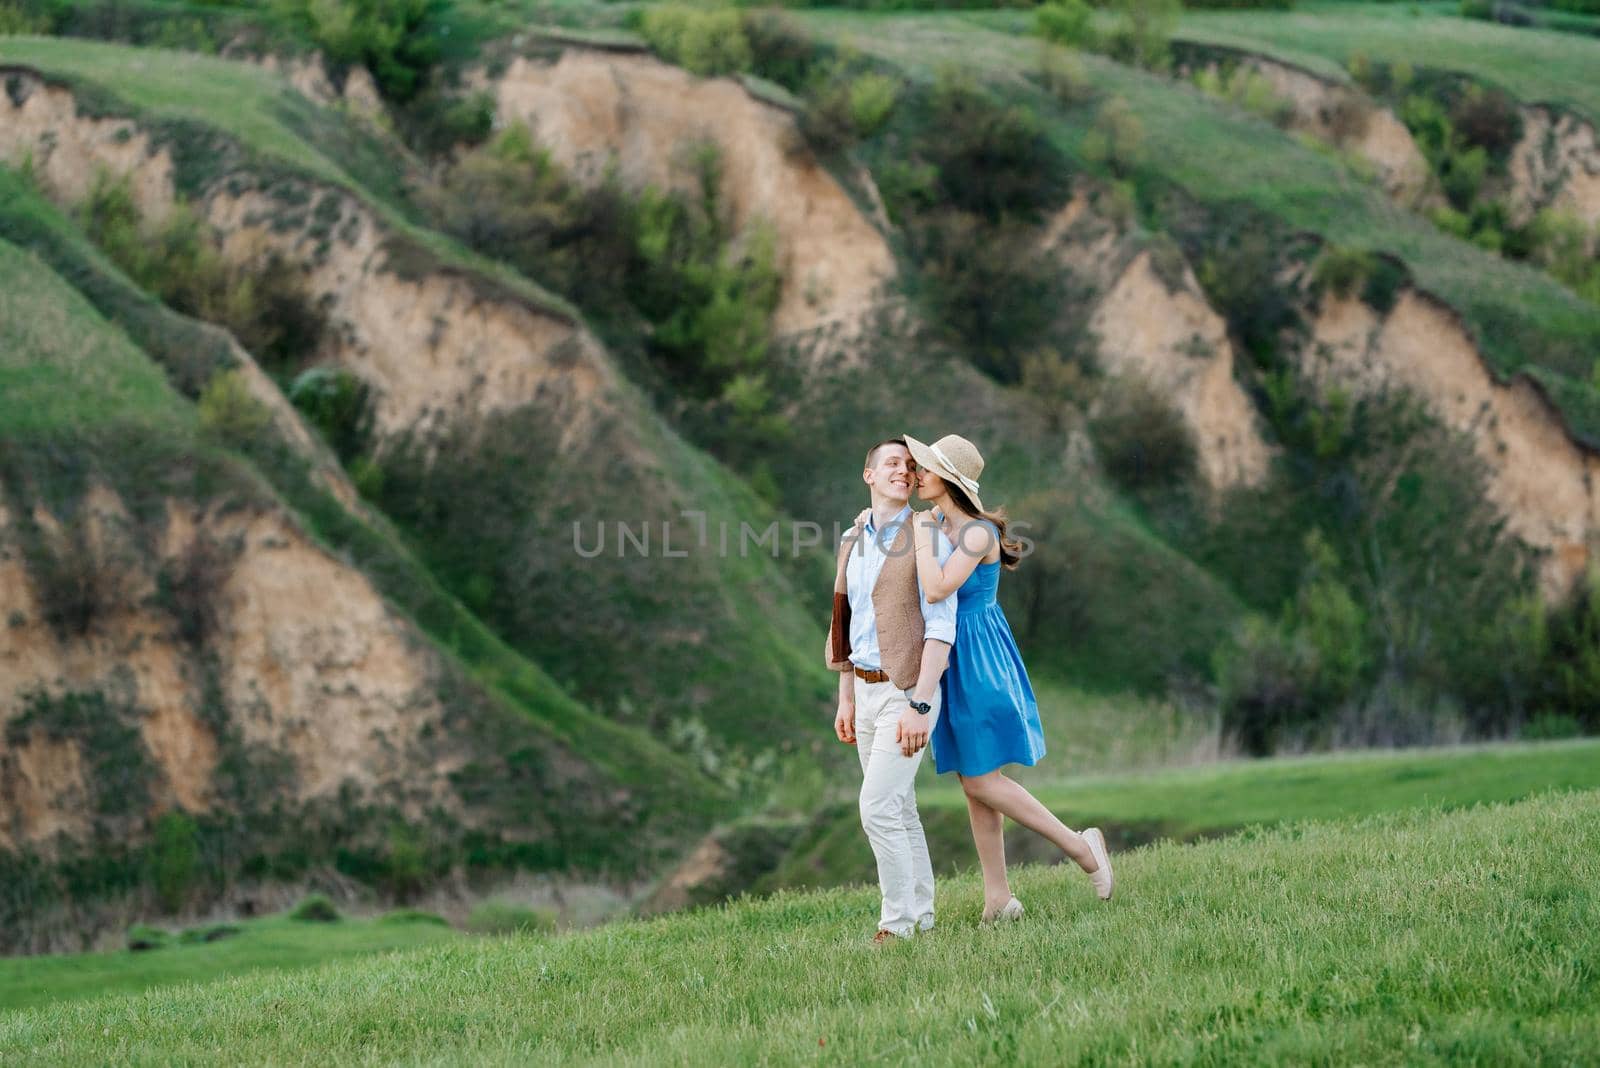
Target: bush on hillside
{"type": "Point", "coordinates": [1116, 139]}
{"type": "Point", "coordinates": [1239, 273]}
{"type": "Point", "coordinates": [703, 40]}
{"type": "Point", "coordinates": [1142, 441]}
{"type": "Point", "coordinates": [992, 158]}
{"type": "Point", "coordinates": [142, 937]}
{"type": "Point", "coordinates": [990, 287]}
{"type": "Point", "coordinates": [267, 308]}
{"type": "Point", "coordinates": [872, 98]}
{"type": "Point", "coordinates": [1488, 119]}
{"type": "Point", "coordinates": [396, 40]}
{"type": "Point", "coordinates": [230, 412]}
{"type": "Point", "coordinates": [1067, 22]}
{"type": "Point", "coordinates": [781, 49]}
{"type": "Point", "coordinates": [1064, 76]}
{"type": "Point", "coordinates": [78, 578]}
{"type": "Point", "coordinates": [1142, 33]}
{"type": "Point", "coordinates": [511, 202]}
{"type": "Point", "coordinates": [339, 405]}
{"type": "Point", "coordinates": [1343, 271]}
{"type": "Point", "coordinates": [315, 908]}
{"type": "Point", "coordinates": [437, 122]}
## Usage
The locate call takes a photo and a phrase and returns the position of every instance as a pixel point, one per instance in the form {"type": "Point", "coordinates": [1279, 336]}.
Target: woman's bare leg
{"type": "Point", "coordinates": [988, 834]}
{"type": "Point", "coordinates": [1008, 798]}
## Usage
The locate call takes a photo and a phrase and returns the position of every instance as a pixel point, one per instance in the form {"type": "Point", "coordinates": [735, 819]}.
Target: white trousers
{"type": "Point", "coordinates": [889, 808]}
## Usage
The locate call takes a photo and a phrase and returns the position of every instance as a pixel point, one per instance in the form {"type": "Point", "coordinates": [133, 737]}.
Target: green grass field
{"type": "Point", "coordinates": [1468, 937]}
{"type": "Point", "coordinates": [1535, 66]}
{"type": "Point", "coordinates": [273, 943]}
{"type": "Point", "coordinates": [1208, 801]}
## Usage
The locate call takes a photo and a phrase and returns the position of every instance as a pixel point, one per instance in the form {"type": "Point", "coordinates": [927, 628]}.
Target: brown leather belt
{"type": "Point", "coordinates": [870, 676]}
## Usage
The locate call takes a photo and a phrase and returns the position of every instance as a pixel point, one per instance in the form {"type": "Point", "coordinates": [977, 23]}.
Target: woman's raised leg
{"type": "Point", "coordinates": [1009, 798]}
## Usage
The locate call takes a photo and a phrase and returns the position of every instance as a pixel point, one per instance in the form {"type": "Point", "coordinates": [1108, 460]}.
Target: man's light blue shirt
{"type": "Point", "coordinates": [866, 562]}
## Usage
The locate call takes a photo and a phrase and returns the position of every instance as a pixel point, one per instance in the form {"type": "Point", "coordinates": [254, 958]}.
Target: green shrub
{"type": "Point", "coordinates": [907, 188]}
{"type": "Point", "coordinates": [508, 918]}
{"type": "Point", "coordinates": [1477, 9]}
{"type": "Point", "coordinates": [1142, 33]}
{"type": "Point", "coordinates": [267, 308]}
{"type": "Point", "coordinates": [1117, 138]}
{"type": "Point", "coordinates": [1066, 22]}
{"type": "Point", "coordinates": [703, 40]}
{"type": "Point", "coordinates": [1142, 441]}
{"type": "Point", "coordinates": [396, 40]}
{"type": "Point", "coordinates": [1430, 127]}
{"type": "Point", "coordinates": [1343, 271]}
{"type": "Point", "coordinates": [315, 908]}
{"type": "Point", "coordinates": [781, 50]}
{"type": "Point", "coordinates": [366, 474]}
{"type": "Point", "coordinates": [872, 99]}
{"type": "Point", "coordinates": [338, 404]}
{"type": "Point", "coordinates": [143, 937]}
{"type": "Point", "coordinates": [1064, 75]}
{"type": "Point", "coordinates": [1488, 119]}
{"type": "Point", "coordinates": [992, 158]}
{"type": "Point", "coordinates": [15, 20]}
{"type": "Point", "coordinates": [988, 285]}
{"type": "Point", "coordinates": [175, 858]}
{"type": "Point", "coordinates": [1463, 175]}
{"type": "Point", "coordinates": [437, 122]}
{"type": "Point", "coordinates": [230, 413]}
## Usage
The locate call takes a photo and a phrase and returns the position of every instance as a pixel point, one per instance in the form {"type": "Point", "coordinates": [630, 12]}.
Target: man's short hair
{"type": "Point", "coordinates": [872, 453]}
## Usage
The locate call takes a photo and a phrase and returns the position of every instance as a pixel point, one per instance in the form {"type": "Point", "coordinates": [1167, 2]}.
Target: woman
{"type": "Point", "coordinates": [990, 717]}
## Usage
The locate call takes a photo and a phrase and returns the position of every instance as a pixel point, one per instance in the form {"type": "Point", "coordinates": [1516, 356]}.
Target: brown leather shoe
{"type": "Point", "coordinates": [883, 938]}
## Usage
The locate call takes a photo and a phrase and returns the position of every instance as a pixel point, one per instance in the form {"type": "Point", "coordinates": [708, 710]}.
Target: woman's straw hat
{"type": "Point", "coordinates": [954, 459]}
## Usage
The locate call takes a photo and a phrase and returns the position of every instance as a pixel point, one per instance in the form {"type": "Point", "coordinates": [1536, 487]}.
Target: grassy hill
{"type": "Point", "coordinates": [1426, 937]}
{"type": "Point", "coordinates": [1203, 802]}
{"type": "Point", "coordinates": [1534, 66]}
{"type": "Point", "coordinates": [1227, 160]}
{"type": "Point", "coordinates": [82, 405]}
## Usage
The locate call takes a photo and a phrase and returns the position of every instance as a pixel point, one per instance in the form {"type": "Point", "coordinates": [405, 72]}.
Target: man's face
{"type": "Point", "coordinates": [893, 473]}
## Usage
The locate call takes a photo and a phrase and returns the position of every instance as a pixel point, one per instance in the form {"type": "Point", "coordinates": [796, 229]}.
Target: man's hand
{"type": "Point", "coordinates": [844, 723]}
{"type": "Point", "coordinates": [911, 731]}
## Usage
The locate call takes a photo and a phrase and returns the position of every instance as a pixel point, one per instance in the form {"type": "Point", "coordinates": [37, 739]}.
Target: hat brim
{"type": "Point", "coordinates": [925, 458]}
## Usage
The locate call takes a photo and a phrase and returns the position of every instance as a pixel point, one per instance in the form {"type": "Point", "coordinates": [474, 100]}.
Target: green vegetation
{"type": "Point", "coordinates": [507, 917]}
{"type": "Point", "coordinates": [1199, 802]}
{"type": "Point", "coordinates": [276, 944]}
{"type": "Point", "coordinates": [315, 908]}
{"type": "Point", "coordinates": [1451, 936]}
{"type": "Point", "coordinates": [1324, 36]}
{"type": "Point", "coordinates": [1249, 174]}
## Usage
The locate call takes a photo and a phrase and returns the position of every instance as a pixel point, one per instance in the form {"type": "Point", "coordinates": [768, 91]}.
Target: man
{"type": "Point", "coordinates": [891, 646]}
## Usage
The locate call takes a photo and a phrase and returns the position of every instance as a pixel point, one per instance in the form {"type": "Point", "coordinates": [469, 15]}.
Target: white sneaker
{"type": "Point", "coordinates": [1011, 910]}
{"type": "Point", "coordinates": [1101, 876]}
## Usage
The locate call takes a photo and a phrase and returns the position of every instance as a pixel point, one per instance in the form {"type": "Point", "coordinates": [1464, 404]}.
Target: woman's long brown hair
{"type": "Point", "coordinates": [1010, 548]}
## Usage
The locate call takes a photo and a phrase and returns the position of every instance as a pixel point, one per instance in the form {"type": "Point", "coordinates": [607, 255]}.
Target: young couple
{"type": "Point", "coordinates": [926, 653]}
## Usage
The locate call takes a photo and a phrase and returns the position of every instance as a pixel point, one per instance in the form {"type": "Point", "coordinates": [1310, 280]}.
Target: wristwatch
{"type": "Point", "coordinates": [921, 706]}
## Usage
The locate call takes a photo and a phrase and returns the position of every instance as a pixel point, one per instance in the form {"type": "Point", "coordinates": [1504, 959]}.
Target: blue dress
{"type": "Point", "coordinates": [989, 716]}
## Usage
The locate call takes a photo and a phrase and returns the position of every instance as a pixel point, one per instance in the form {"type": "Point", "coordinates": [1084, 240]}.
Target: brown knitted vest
{"type": "Point", "coordinates": [896, 603]}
